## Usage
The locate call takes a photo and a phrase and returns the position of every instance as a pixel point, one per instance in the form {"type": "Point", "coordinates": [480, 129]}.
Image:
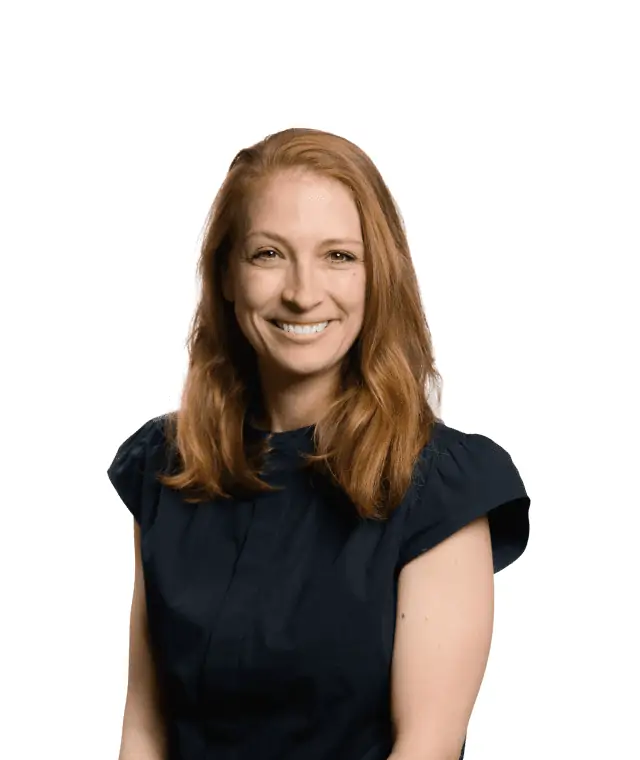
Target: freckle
{"type": "Point", "coordinates": [402, 615]}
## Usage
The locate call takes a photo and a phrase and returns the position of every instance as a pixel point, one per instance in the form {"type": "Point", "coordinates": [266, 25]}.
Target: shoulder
{"type": "Point", "coordinates": [469, 454]}
{"type": "Point", "coordinates": [148, 438]}
{"type": "Point", "coordinates": [460, 477]}
{"type": "Point", "coordinates": [139, 458]}
{"type": "Point", "coordinates": [444, 436]}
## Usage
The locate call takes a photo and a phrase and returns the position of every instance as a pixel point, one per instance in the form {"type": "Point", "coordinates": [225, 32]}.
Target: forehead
{"type": "Point", "coordinates": [303, 202]}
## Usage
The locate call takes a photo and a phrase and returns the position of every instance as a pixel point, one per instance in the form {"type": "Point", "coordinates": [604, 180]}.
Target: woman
{"type": "Point", "coordinates": [315, 548]}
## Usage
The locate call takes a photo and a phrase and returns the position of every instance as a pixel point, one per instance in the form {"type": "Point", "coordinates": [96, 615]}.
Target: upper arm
{"type": "Point", "coordinates": [140, 658]}
{"type": "Point", "coordinates": [443, 636]}
{"type": "Point", "coordinates": [143, 730]}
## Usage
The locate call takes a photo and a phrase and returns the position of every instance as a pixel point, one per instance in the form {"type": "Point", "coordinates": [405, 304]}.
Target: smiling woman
{"type": "Point", "coordinates": [302, 286]}
{"type": "Point", "coordinates": [317, 546]}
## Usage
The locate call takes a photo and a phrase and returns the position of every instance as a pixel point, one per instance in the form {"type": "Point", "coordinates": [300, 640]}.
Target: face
{"type": "Point", "coordinates": [300, 266]}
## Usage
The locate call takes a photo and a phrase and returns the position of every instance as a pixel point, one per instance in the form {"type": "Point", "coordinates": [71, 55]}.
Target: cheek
{"type": "Point", "coordinates": [353, 295]}
{"type": "Point", "coordinates": [255, 292]}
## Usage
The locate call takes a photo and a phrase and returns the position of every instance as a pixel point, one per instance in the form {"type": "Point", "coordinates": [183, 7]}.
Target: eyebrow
{"type": "Point", "coordinates": [284, 241]}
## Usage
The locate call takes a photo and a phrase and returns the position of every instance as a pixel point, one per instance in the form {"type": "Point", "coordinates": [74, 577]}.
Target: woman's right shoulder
{"type": "Point", "coordinates": [138, 459]}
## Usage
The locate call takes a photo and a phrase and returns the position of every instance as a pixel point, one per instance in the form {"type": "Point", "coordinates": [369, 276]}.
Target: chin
{"type": "Point", "coordinates": [298, 368]}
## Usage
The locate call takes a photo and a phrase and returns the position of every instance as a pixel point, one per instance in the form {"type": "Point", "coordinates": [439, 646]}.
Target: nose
{"type": "Point", "coordinates": [303, 286]}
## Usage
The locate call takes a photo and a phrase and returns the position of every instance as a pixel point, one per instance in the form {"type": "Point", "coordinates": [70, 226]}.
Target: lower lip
{"type": "Point", "coordinates": [304, 337]}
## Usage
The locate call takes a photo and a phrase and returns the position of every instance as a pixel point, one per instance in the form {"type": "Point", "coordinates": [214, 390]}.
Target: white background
{"type": "Point", "coordinates": [508, 133]}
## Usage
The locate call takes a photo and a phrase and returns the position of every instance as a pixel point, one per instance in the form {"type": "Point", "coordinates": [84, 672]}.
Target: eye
{"type": "Point", "coordinates": [262, 252]}
{"type": "Point", "coordinates": [348, 256]}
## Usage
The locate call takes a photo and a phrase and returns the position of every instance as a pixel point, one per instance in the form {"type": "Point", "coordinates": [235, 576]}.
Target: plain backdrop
{"type": "Point", "coordinates": [509, 135]}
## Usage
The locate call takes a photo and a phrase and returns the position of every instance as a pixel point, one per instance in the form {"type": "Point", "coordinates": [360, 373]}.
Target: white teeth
{"type": "Point", "coordinates": [302, 330]}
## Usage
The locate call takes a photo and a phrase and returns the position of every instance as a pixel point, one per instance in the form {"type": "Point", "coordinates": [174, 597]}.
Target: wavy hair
{"type": "Point", "coordinates": [371, 435]}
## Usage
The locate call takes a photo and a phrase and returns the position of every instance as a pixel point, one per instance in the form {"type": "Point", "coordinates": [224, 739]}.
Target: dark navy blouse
{"type": "Point", "coordinates": [272, 619]}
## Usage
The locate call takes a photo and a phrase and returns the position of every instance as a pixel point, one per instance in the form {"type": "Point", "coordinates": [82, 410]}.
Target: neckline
{"type": "Point", "coordinates": [295, 440]}
{"type": "Point", "coordinates": [282, 434]}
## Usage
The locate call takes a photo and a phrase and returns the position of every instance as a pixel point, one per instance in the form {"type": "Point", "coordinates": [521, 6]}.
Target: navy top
{"type": "Point", "coordinates": [272, 619]}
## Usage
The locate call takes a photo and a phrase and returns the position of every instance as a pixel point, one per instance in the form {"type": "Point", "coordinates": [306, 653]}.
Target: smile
{"type": "Point", "coordinates": [301, 330]}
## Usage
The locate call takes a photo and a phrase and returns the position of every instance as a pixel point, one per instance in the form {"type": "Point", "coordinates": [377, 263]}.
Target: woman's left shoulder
{"type": "Point", "coordinates": [460, 477]}
{"type": "Point", "coordinates": [473, 452]}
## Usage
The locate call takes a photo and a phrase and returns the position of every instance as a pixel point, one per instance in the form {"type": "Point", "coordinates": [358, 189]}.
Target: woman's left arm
{"type": "Point", "coordinates": [444, 627]}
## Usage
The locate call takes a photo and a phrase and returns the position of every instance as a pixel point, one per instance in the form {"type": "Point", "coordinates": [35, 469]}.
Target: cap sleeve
{"type": "Point", "coordinates": [462, 477]}
{"type": "Point", "coordinates": [133, 470]}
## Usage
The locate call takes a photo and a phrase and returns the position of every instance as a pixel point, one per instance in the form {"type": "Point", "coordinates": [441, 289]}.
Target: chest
{"type": "Point", "coordinates": [282, 593]}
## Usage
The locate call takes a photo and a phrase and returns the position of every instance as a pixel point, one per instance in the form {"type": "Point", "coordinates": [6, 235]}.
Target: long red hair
{"type": "Point", "coordinates": [368, 440]}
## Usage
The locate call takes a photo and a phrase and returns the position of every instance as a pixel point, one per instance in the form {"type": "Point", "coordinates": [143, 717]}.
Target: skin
{"type": "Point", "coordinates": [143, 728]}
{"type": "Point", "coordinates": [298, 277]}
{"type": "Point", "coordinates": [444, 628]}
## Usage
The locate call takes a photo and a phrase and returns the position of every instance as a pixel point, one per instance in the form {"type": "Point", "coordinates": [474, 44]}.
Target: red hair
{"type": "Point", "coordinates": [368, 440]}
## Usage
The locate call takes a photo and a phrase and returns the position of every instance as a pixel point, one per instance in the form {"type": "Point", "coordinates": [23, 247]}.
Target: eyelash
{"type": "Point", "coordinates": [350, 257]}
